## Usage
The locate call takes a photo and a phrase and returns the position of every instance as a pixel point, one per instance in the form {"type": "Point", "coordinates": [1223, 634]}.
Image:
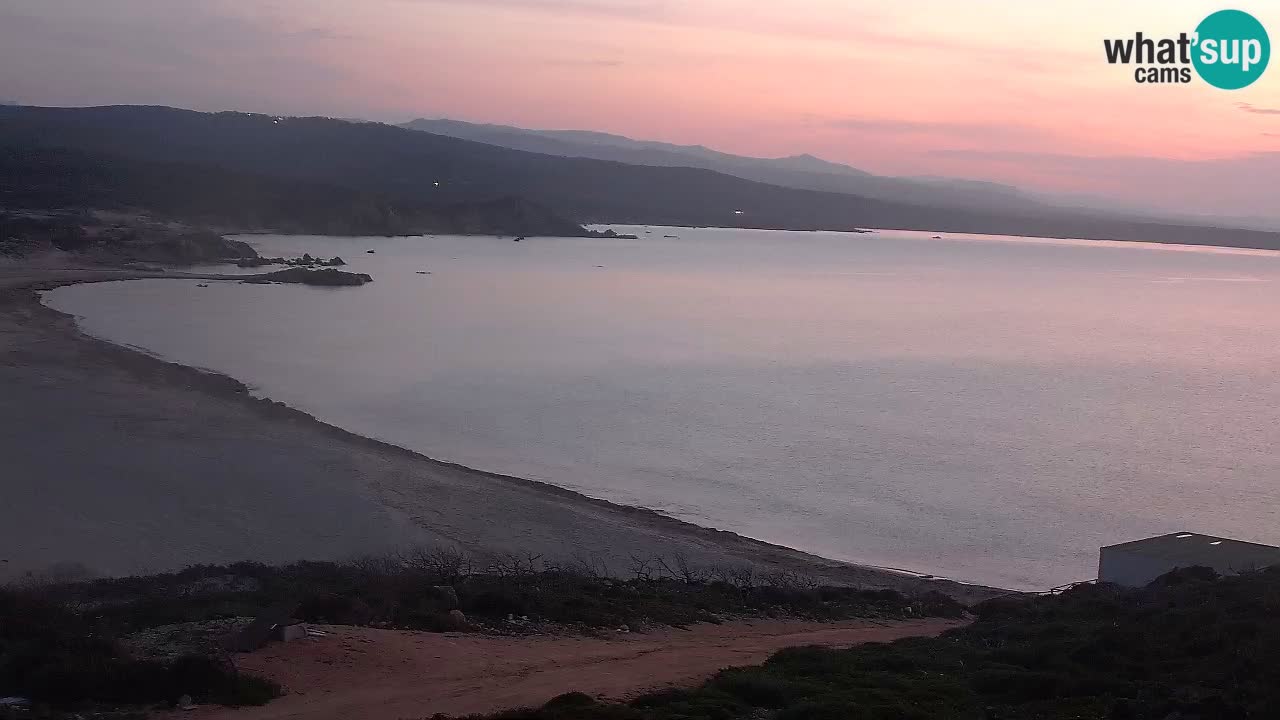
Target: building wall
{"type": "Point", "coordinates": [1134, 570]}
{"type": "Point", "coordinates": [1121, 568]}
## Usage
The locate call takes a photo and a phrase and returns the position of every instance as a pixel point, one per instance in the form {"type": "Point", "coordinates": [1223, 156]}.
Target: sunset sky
{"type": "Point", "coordinates": [1005, 90]}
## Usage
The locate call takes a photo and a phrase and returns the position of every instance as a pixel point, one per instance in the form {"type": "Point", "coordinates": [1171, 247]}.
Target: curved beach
{"type": "Point", "coordinates": [170, 466]}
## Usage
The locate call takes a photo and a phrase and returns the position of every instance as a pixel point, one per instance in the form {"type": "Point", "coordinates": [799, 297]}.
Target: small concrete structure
{"type": "Point", "coordinates": [274, 623]}
{"type": "Point", "coordinates": [1137, 563]}
{"type": "Point", "coordinates": [290, 631]}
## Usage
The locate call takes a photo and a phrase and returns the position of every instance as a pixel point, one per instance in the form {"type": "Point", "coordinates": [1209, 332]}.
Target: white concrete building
{"type": "Point", "coordinates": [1137, 563]}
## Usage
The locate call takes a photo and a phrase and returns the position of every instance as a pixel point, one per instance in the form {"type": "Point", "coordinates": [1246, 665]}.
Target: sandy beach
{"type": "Point", "coordinates": [119, 463]}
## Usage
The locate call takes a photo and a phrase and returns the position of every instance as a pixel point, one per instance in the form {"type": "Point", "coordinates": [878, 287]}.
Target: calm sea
{"type": "Point", "coordinates": [987, 409]}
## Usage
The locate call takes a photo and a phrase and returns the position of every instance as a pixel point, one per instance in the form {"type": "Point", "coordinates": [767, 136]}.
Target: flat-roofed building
{"type": "Point", "coordinates": [1137, 563]}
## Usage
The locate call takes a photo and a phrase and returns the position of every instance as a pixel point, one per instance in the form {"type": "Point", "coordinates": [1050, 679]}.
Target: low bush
{"type": "Point", "coordinates": [52, 654]}
{"type": "Point", "coordinates": [1191, 646]}
{"type": "Point", "coordinates": [60, 642]}
{"type": "Point", "coordinates": [405, 591]}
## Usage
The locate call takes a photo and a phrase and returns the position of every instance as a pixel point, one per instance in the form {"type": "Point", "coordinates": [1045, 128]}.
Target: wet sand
{"type": "Point", "coordinates": [391, 674]}
{"type": "Point", "coordinates": [120, 463]}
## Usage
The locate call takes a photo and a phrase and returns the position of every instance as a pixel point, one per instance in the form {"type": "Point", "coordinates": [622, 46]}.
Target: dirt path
{"type": "Point", "coordinates": [391, 675]}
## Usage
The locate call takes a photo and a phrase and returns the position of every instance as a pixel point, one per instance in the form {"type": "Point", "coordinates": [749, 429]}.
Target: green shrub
{"type": "Point", "coordinates": [62, 656]}
{"type": "Point", "coordinates": [761, 689]}
{"type": "Point", "coordinates": [1191, 646]}
{"type": "Point", "coordinates": [53, 655]}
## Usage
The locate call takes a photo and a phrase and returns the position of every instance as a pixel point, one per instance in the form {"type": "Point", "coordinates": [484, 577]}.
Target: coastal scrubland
{"type": "Point", "coordinates": [1189, 646]}
{"type": "Point", "coordinates": [150, 640]}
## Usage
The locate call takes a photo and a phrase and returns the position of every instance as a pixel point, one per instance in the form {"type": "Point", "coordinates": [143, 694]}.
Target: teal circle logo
{"type": "Point", "coordinates": [1232, 49]}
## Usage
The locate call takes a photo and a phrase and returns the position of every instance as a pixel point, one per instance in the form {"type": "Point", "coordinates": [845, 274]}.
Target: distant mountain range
{"type": "Point", "coordinates": [807, 172]}
{"type": "Point", "coordinates": [405, 179]}
{"type": "Point", "coordinates": [804, 172]}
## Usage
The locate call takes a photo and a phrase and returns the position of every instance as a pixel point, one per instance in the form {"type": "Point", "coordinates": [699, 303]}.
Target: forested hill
{"type": "Point", "coordinates": [45, 178]}
{"type": "Point", "coordinates": [416, 169]}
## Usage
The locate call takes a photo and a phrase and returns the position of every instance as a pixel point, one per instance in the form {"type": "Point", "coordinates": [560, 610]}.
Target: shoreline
{"type": "Point", "coordinates": [962, 236]}
{"type": "Point", "coordinates": [584, 526]}
{"type": "Point", "coordinates": [872, 230]}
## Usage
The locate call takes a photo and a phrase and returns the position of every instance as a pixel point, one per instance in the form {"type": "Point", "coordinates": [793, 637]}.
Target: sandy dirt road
{"type": "Point", "coordinates": [389, 675]}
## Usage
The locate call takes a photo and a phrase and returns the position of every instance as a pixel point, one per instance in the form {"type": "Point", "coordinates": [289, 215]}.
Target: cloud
{"type": "Point", "coordinates": [1020, 156]}
{"type": "Point", "coordinates": [1241, 185]}
{"type": "Point", "coordinates": [955, 131]}
{"type": "Point", "coordinates": [319, 33]}
{"type": "Point", "coordinates": [142, 26]}
{"type": "Point", "coordinates": [208, 54]}
{"type": "Point", "coordinates": [907, 126]}
{"type": "Point", "coordinates": [636, 9]}
{"type": "Point", "coordinates": [849, 26]}
{"type": "Point", "coordinates": [1255, 110]}
{"type": "Point", "coordinates": [586, 63]}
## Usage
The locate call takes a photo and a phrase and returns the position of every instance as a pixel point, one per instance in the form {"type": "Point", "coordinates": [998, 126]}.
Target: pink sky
{"type": "Point", "coordinates": [1012, 91]}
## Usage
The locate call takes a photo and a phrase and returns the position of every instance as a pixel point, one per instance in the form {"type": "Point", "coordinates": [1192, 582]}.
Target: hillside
{"type": "Point", "coordinates": [419, 168]}
{"type": "Point", "coordinates": [43, 178]}
{"type": "Point", "coordinates": [803, 172]}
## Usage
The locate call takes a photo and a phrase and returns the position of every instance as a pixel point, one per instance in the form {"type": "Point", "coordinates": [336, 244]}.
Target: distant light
{"type": "Point", "coordinates": [1184, 536]}
{"type": "Point", "coordinates": [1216, 542]}
{"type": "Point", "coordinates": [437, 184]}
{"type": "Point", "coordinates": [738, 212]}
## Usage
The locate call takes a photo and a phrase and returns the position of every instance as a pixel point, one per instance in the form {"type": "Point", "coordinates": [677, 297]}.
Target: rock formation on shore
{"type": "Point", "coordinates": [116, 240]}
{"type": "Point", "coordinates": [305, 261]}
{"type": "Point", "coordinates": [326, 278]}
{"type": "Point", "coordinates": [613, 235]}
